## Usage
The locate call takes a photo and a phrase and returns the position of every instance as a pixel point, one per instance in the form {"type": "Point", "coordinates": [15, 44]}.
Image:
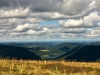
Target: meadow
{"type": "Point", "coordinates": [47, 67]}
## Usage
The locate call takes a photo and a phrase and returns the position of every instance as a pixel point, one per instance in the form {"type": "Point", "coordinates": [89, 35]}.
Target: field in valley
{"type": "Point", "coordinates": [50, 67]}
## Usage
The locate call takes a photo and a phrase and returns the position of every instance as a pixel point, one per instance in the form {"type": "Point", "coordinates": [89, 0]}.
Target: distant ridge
{"type": "Point", "coordinates": [64, 46]}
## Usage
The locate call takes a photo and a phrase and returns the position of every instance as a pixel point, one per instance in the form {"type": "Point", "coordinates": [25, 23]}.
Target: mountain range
{"type": "Point", "coordinates": [58, 51]}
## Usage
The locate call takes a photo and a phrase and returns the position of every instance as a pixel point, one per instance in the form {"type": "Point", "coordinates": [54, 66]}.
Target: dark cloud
{"type": "Point", "coordinates": [4, 3]}
{"type": "Point", "coordinates": [69, 7]}
{"type": "Point", "coordinates": [52, 9]}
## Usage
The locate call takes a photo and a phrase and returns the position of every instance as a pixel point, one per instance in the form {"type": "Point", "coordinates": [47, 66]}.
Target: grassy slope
{"type": "Point", "coordinates": [30, 67]}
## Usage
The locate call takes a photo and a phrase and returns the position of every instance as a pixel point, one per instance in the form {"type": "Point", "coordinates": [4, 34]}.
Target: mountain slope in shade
{"type": "Point", "coordinates": [94, 43]}
{"type": "Point", "coordinates": [84, 53]}
{"type": "Point", "coordinates": [71, 51]}
{"type": "Point", "coordinates": [16, 52]}
{"type": "Point", "coordinates": [64, 47]}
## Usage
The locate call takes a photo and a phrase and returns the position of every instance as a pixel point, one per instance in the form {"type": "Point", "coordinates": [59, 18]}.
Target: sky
{"type": "Point", "coordinates": [29, 20]}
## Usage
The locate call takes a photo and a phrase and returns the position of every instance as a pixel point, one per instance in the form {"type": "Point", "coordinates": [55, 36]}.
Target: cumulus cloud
{"type": "Point", "coordinates": [99, 24]}
{"type": "Point", "coordinates": [93, 33]}
{"type": "Point", "coordinates": [39, 33]}
{"type": "Point", "coordinates": [21, 27]}
{"type": "Point", "coordinates": [86, 21]}
{"type": "Point", "coordinates": [27, 26]}
{"type": "Point", "coordinates": [34, 29]}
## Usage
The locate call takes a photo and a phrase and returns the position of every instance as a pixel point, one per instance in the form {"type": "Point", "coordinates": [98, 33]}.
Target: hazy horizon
{"type": "Point", "coordinates": [43, 41]}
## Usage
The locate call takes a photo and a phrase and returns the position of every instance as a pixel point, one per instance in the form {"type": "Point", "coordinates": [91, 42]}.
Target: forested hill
{"type": "Point", "coordinates": [83, 53]}
{"type": "Point", "coordinates": [7, 51]}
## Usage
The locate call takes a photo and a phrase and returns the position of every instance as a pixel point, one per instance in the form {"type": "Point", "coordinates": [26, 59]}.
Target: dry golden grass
{"type": "Point", "coordinates": [33, 67]}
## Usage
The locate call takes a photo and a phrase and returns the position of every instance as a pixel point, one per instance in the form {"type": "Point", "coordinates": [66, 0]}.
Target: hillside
{"type": "Point", "coordinates": [83, 53]}
{"type": "Point", "coordinates": [34, 44]}
{"type": "Point", "coordinates": [64, 46]}
{"type": "Point", "coordinates": [70, 52]}
{"type": "Point", "coordinates": [94, 43]}
{"type": "Point", "coordinates": [42, 49]}
{"type": "Point", "coordinates": [16, 52]}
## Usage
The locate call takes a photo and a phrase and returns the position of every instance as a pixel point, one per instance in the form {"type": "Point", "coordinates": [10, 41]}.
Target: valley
{"type": "Point", "coordinates": [52, 51]}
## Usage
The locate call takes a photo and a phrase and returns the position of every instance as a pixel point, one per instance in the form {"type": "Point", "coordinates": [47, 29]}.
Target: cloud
{"type": "Point", "coordinates": [32, 29]}
{"type": "Point", "coordinates": [72, 7]}
{"type": "Point", "coordinates": [99, 24]}
{"type": "Point", "coordinates": [74, 30]}
{"type": "Point", "coordinates": [4, 3]}
{"type": "Point", "coordinates": [43, 15]}
{"type": "Point", "coordinates": [97, 3]}
{"type": "Point", "coordinates": [38, 33]}
{"type": "Point", "coordinates": [21, 27]}
{"type": "Point", "coordinates": [28, 26]}
{"type": "Point", "coordinates": [87, 21]}
{"type": "Point", "coordinates": [52, 9]}
{"type": "Point", "coordinates": [21, 19]}
{"type": "Point", "coordinates": [92, 3]}
{"type": "Point", "coordinates": [31, 32]}
{"type": "Point", "coordinates": [14, 13]}
{"type": "Point", "coordinates": [64, 9]}
{"type": "Point", "coordinates": [69, 7]}
{"type": "Point", "coordinates": [34, 20]}
{"type": "Point", "coordinates": [93, 33]}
